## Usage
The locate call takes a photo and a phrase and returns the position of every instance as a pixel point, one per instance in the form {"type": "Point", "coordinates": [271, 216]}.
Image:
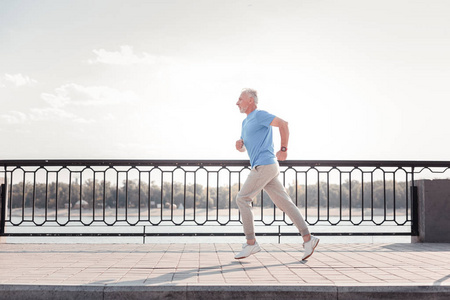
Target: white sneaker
{"type": "Point", "coordinates": [310, 246]}
{"type": "Point", "coordinates": [248, 250]}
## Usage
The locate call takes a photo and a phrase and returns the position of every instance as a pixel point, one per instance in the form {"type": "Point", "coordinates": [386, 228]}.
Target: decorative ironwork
{"type": "Point", "coordinates": [335, 197]}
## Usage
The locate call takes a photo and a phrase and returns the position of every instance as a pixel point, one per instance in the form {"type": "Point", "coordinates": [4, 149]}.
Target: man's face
{"type": "Point", "coordinates": [244, 102]}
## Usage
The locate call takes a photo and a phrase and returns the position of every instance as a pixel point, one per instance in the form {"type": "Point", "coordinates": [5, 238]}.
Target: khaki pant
{"type": "Point", "coordinates": [266, 177]}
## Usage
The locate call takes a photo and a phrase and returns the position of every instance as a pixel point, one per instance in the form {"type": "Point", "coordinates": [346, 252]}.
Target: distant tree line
{"type": "Point", "coordinates": [130, 194]}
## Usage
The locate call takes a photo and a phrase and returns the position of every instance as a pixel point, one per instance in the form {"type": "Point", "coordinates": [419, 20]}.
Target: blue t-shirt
{"type": "Point", "coordinates": [257, 137]}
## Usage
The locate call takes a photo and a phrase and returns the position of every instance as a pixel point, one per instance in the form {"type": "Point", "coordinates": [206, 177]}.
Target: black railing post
{"type": "Point", "coordinates": [414, 207]}
{"type": "Point", "coordinates": [2, 208]}
{"type": "Point", "coordinates": [415, 211]}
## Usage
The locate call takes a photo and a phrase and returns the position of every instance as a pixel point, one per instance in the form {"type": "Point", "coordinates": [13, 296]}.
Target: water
{"type": "Point", "coordinates": [235, 229]}
{"type": "Point", "coordinates": [97, 222]}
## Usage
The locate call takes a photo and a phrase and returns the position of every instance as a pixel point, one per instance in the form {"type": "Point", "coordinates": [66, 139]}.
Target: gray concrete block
{"type": "Point", "coordinates": [38, 292]}
{"type": "Point", "coordinates": [434, 209]}
{"type": "Point", "coordinates": [218, 292]}
{"type": "Point", "coordinates": [261, 292]}
{"type": "Point", "coordinates": [394, 292]}
{"type": "Point", "coordinates": [145, 292]}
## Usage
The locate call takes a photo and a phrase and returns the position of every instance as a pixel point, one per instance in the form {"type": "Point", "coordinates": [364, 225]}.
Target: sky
{"type": "Point", "coordinates": [356, 80]}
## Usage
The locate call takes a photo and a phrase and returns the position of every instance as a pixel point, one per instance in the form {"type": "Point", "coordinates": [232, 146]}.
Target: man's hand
{"type": "Point", "coordinates": [240, 145]}
{"type": "Point", "coordinates": [281, 155]}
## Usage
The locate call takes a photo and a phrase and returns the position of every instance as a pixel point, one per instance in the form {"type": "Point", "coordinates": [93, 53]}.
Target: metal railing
{"type": "Point", "coordinates": [186, 197]}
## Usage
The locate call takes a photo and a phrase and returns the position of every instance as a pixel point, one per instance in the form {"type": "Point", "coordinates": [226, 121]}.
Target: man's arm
{"type": "Point", "coordinates": [284, 134]}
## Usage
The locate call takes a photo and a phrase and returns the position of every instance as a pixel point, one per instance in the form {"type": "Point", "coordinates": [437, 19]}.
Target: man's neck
{"type": "Point", "coordinates": [250, 110]}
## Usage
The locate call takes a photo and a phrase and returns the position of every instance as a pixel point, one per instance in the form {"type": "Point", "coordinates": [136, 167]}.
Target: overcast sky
{"type": "Point", "coordinates": [159, 79]}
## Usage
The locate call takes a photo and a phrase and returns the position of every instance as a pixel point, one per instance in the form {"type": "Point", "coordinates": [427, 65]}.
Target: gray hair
{"type": "Point", "coordinates": [252, 93]}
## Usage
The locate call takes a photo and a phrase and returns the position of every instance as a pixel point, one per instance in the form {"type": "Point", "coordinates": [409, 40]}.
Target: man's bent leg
{"type": "Point", "coordinates": [281, 199]}
{"type": "Point", "coordinates": [255, 182]}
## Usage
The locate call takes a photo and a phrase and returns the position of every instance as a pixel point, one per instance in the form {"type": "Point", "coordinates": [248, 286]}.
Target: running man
{"type": "Point", "coordinates": [256, 139]}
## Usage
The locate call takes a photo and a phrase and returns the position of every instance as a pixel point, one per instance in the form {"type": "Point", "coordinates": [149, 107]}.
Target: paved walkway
{"type": "Point", "coordinates": [134, 271]}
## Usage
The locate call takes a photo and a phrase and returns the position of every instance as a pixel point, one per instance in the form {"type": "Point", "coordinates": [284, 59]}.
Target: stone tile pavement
{"type": "Point", "coordinates": [169, 267]}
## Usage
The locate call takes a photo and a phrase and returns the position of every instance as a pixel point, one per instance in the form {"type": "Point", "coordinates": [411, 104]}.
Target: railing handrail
{"type": "Point", "coordinates": [216, 162]}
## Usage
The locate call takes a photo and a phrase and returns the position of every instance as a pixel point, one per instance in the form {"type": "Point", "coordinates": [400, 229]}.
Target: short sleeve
{"type": "Point", "coordinates": [264, 118]}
